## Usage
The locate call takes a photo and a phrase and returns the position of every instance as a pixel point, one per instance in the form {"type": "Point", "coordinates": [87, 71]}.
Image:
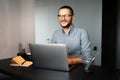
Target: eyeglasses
{"type": "Point", "coordinates": [65, 16]}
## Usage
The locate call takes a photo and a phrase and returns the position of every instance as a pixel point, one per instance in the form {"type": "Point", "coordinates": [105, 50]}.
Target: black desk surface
{"type": "Point", "coordinates": [30, 73]}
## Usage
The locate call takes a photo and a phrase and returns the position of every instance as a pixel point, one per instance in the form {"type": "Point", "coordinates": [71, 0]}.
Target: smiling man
{"type": "Point", "coordinates": [75, 38]}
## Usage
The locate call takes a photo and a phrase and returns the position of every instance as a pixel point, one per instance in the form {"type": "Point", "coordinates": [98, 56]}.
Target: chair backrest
{"type": "Point", "coordinates": [93, 56]}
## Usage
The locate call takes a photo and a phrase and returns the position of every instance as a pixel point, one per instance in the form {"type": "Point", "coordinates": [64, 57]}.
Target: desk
{"type": "Point", "coordinates": [30, 73]}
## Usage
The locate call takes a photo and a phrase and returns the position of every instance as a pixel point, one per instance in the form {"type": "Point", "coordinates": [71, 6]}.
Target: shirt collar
{"type": "Point", "coordinates": [71, 30]}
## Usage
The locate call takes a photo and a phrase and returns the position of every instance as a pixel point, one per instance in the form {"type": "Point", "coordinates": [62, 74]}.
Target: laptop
{"type": "Point", "coordinates": [50, 56]}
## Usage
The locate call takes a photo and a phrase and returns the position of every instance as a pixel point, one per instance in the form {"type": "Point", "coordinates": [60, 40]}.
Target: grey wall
{"type": "Point", "coordinates": [16, 26]}
{"type": "Point", "coordinates": [88, 15]}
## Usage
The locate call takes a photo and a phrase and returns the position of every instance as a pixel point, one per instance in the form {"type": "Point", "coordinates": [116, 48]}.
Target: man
{"type": "Point", "coordinates": [75, 38]}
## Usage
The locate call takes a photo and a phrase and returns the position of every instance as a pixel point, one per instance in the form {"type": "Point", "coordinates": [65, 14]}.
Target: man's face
{"type": "Point", "coordinates": [65, 17]}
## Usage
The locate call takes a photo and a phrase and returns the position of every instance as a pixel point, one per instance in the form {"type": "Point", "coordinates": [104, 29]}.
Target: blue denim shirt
{"type": "Point", "coordinates": [76, 41]}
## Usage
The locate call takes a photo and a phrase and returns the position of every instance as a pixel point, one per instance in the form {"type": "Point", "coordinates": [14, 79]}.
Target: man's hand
{"type": "Point", "coordinates": [74, 60]}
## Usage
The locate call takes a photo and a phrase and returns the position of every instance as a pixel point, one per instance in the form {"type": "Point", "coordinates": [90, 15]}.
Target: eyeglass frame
{"type": "Point", "coordinates": [64, 16]}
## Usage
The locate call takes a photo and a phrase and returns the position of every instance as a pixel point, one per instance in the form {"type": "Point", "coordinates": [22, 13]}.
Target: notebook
{"type": "Point", "coordinates": [50, 56]}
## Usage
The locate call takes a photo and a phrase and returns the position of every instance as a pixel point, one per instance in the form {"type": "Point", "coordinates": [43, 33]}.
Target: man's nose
{"type": "Point", "coordinates": [63, 17]}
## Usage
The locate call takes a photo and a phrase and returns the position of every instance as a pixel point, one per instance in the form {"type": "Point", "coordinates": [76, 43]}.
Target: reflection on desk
{"type": "Point", "coordinates": [30, 73]}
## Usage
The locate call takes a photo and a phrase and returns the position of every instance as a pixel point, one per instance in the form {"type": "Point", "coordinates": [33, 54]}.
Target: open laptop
{"type": "Point", "coordinates": [50, 56]}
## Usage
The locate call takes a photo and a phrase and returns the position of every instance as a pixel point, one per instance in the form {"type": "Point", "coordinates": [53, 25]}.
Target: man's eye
{"type": "Point", "coordinates": [66, 15]}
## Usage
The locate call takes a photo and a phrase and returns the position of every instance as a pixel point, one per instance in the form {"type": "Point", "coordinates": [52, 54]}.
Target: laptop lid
{"type": "Point", "coordinates": [49, 56]}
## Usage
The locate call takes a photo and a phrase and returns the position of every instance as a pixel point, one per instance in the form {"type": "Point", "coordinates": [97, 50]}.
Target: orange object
{"type": "Point", "coordinates": [74, 60]}
{"type": "Point", "coordinates": [20, 61]}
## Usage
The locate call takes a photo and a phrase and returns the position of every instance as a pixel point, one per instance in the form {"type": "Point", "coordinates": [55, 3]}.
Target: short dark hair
{"type": "Point", "coordinates": [67, 7]}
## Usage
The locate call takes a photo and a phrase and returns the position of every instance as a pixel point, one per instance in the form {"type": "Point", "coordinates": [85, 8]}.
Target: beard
{"type": "Point", "coordinates": [65, 26]}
